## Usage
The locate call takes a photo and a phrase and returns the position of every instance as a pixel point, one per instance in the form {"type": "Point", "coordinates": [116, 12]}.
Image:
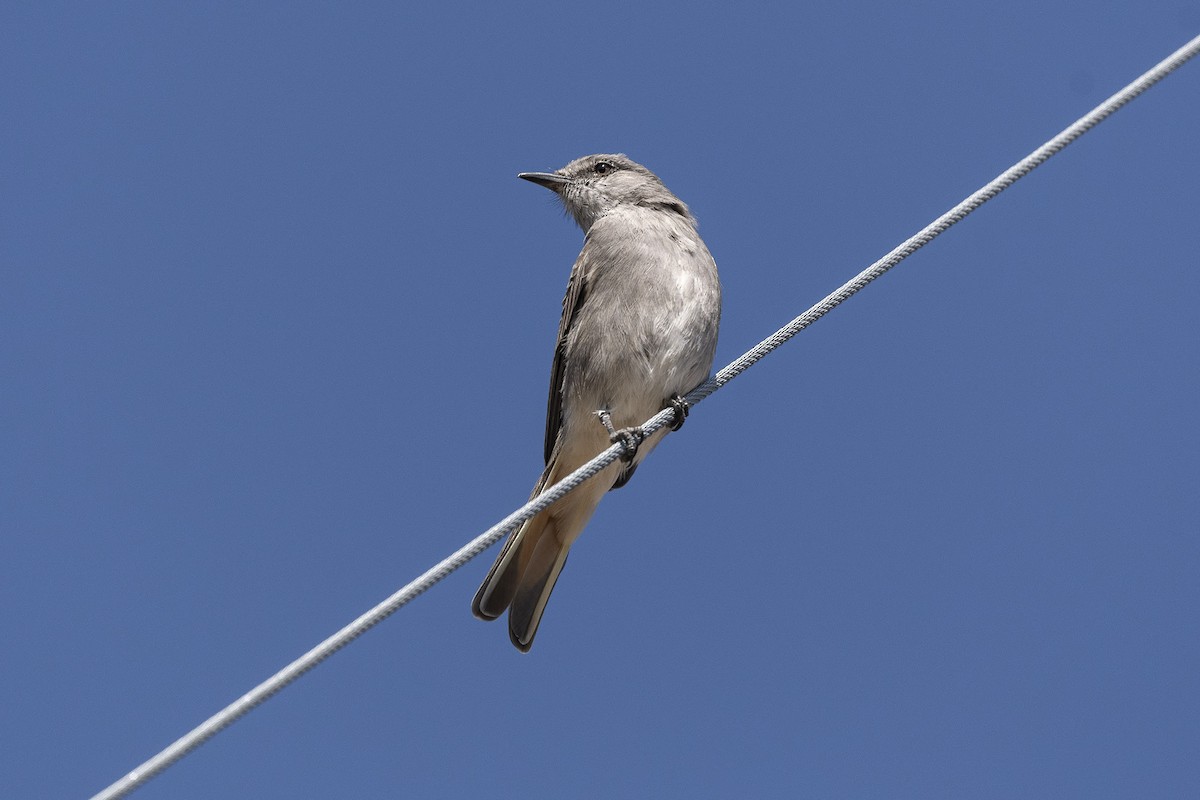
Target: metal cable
{"type": "Point", "coordinates": [234, 711]}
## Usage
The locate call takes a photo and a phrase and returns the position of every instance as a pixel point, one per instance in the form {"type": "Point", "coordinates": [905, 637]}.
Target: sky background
{"type": "Point", "coordinates": [276, 323]}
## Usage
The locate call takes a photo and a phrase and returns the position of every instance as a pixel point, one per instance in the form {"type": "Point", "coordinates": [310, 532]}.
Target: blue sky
{"type": "Point", "coordinates": [277, 321]}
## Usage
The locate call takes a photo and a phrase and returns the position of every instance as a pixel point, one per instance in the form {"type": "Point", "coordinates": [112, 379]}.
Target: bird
{"type": "Point", "coordinates": [638, 331]}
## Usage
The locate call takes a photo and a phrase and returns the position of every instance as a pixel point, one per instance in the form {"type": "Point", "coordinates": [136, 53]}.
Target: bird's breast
{"type": "Point", "coordinates": [648, 325]}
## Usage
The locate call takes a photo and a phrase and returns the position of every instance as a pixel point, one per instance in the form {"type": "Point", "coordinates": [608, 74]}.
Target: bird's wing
{"type": "Point", "coordinates": [574, 300]}
{"type": "Point", "coordinates": [577, 291]}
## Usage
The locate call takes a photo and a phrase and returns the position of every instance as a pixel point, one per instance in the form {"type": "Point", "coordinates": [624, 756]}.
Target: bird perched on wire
{"type": "Point", "coordinates": [638, 330]}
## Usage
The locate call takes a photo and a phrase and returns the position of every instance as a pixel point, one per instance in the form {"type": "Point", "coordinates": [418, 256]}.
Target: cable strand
{"type": "Point", "coordinates": [268, 688]}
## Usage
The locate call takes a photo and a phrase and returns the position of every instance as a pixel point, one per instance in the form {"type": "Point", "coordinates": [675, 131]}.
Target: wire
{"type": "Point", "coordinates": [243, 705]}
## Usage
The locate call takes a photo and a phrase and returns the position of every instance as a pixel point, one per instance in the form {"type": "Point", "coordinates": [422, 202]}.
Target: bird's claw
{"type": "Point", "coordinates": [681, 407]}
{"type": "Point", "coordinates": [630, 439]}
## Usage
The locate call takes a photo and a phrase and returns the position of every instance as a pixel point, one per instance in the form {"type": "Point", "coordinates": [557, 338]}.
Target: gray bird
{"type": "Point", "coordinates": [638, 330]}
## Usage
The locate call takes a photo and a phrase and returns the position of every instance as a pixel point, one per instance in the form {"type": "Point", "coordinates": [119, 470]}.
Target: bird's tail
{"type": "Point", "coordinates": [498, 589]}
{"type": "Point", "coordinates": [522, 578]}
{"type": "Point", "coordinates": [545, 564]}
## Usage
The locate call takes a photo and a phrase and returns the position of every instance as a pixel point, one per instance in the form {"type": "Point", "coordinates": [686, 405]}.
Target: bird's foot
{"type": "Point", "coordinates": [629, 438]}
{"type": "Point", "coordinates": [681, 407]}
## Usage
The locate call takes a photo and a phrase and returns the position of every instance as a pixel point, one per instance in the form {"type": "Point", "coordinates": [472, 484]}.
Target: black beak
{"type": "Point", "coordinates": [552, 181]}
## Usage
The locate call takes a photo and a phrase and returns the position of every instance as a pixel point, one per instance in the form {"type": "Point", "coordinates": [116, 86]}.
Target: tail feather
{"type": "Point", "coordinates": [537, 582]}
{"type": "Point", "coordinates": [525, 571]}
{"type": "Point", "coordinates": [498, 589]}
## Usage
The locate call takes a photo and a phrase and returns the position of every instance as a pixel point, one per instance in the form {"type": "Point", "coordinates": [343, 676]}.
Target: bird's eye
{"type": "Point", "coordinates": [603, 167]}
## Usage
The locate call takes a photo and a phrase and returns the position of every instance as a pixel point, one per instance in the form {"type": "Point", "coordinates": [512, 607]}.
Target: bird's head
{"type": "Point", "coordinates": [593, 186]}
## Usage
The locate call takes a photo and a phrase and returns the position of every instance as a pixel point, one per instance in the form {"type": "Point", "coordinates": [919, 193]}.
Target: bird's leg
{"type": "Point", "coordinates": [629, 438]}
{"type": "Point", "coordinates": [681, 407]}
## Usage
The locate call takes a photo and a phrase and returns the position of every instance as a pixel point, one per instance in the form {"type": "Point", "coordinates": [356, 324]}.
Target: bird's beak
{"type": "Point", "coordinates": [551, 180]}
